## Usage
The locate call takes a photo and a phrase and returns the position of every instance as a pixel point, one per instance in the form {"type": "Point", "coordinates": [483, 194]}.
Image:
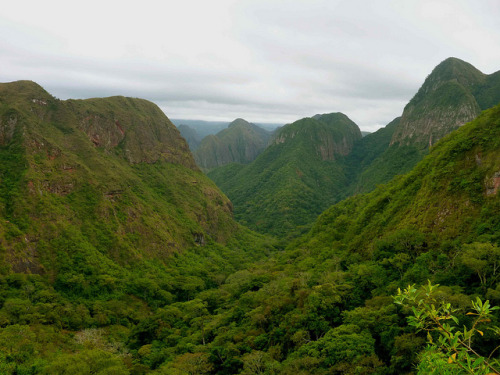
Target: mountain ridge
{"type": "Point", "coordinates": [446, 100]}
{"type": "Point", "coordinates": [240, 142]}
{"type": "Point", "coordinates": [287, 184]}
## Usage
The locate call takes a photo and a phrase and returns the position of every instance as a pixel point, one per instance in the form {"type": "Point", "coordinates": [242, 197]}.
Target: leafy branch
{"type": "Point", "coordinates": [453, 347]}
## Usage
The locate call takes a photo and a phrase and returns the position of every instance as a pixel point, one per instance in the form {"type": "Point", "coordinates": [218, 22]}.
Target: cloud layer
{"type": "Point", "coordinates": [265, 61]}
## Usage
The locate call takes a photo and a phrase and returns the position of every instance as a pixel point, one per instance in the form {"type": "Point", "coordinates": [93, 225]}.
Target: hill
{"type": "Point", "coordinates": [454, 93]}
{"type": "Point", "coordinates": [295, 178]}
{"type": "Point", "coordinates": [191, 136]}
{"type": "Point", "coordinates": [324, 305]}
{"type": "Point", "coordinates": [240, 142]}
{"type": "Point", "coordinates": [89, 188]}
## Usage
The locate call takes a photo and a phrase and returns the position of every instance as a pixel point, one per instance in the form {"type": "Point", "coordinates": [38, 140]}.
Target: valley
{"type": "Point", "coordinates": [119, 255]}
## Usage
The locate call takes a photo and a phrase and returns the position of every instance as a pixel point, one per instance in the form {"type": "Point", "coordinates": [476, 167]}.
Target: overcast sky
{"type": "Point", "coordinates": [263, 60]}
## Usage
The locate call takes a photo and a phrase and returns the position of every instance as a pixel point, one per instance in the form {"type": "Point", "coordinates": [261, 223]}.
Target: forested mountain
{"type": "Point", "coordinates": [119, 256]}
{"type": "Point", "coordinates": [191, 136]}
{"type": "Point", "coordinates": [241, 142]}
{"type": "Point", "coordinates": [324, 304]}
{"type": "Point", "coordinates": [454, 93]}
{"type": "Point", "coordinates": [104, 215]}
{"type": "Point", "coordinates": [295, 178]}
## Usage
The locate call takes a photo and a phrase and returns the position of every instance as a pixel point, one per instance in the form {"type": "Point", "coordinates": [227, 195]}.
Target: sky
{"type": "Point", "coordinates": [261, 60]}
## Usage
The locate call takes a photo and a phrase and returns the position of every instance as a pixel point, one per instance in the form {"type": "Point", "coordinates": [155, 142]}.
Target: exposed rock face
{"type": "Point", "coordinates": [493, 184]}
{"type": "Point", "coordinates": [134, 127]}
{"type": "Point", "coordinates": [7, 125]}
{"type": "Point", "coordinates": [452, 95]}
{"type": "Point", "coordinates": [241, 142]}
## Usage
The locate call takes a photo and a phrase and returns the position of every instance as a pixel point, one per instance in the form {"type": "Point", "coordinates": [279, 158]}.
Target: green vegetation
{"type": "Point", "coordinates": [450, 349]}
{"type": "Point", "coordinates": [241, 142]}
{"type": "Point", "coordinates": [115, 259]}
{"type": "Point", "coordinates": [294, 179]}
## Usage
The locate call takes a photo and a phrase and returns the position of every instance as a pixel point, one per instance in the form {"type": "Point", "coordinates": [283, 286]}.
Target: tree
{"type": "Point", "coordinates": [484, 259]}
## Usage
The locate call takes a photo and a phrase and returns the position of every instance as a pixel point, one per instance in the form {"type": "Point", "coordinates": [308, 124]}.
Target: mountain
{"type": "Point", "coordinates": [324, 305]}
{"type": "Point", "coordinates": [191, 136]}
{"type": "Point", "coordinates": [295, 178]}
{"type": "Point", "coordinates": [241, 142]}
{"type": "Point", "coordinates": [108, 179]}
{"type": "Point", "coordinates": [454, 93]}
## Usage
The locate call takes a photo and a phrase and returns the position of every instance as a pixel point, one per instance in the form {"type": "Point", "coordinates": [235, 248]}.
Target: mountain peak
{"type": "Point", "coordinates": [445, 101]}
{"type": "Point", "coordinates": [455, 69]}
{"type": "Point", "coordinates": [240, 142]}
{"type": "Point", "coordinates": [238, 121]}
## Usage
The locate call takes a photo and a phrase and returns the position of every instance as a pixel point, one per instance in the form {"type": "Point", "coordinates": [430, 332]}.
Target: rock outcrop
{"type": "Point", "coordinates": [452, 95]}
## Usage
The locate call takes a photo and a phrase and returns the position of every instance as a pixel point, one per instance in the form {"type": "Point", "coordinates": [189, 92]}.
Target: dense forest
{"type": "Point", "coordinates": [119, 256]}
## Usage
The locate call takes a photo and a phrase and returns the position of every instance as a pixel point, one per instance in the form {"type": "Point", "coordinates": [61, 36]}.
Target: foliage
{"type": "Point", "coordinates": [294, 179]}
{"type": "Point", "coordinates": [450, 350]}
{"type": "Point", "coordinates": [139, 268]}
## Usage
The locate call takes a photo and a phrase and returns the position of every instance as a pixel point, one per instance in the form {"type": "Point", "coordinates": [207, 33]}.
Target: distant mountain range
{"type": "Point", "coordinates": [199, 129]}
{"type": "Point", "coordinates": [453, 94]}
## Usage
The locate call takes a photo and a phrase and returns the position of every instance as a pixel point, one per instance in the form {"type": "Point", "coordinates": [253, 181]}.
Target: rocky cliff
{"type": "Point", "coordinates": [452, 95]}
{"type": "Point", "coordinates": [111, 176]}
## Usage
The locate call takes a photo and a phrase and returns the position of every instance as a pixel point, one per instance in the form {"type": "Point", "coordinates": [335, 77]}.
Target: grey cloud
{"type": "Point", "coordinates": [276, 61]}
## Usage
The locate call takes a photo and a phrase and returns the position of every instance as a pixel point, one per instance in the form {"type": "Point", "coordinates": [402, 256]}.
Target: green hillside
{"type": "Point", "coordinates": [324, 304]}
{"type": "Point", "coordinates": [295, 178]}
{"type": "Point", "coordinates": [241, 142]}
{"type": "Point", "coordinates": [104, 216]}
{"type": "Point", "coordinates": [454, 93]}
{"type": "Point", "coordinates": [190, 135]}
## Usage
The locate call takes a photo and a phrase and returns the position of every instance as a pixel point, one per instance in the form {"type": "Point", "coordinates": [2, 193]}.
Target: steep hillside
{"type": "Point", "coordinates": [110, 178]}
{"type": "Point", "coordinates": [452, 194]}
{"type": "Point", "coordinates": [241, 142]}
{"type": "Point", "coordinates": [324, 306]}
{"type": "Point", "coordinates": [453, 94]}
{"type": "Point", "coordinates": [295, 178]}
{"type": "Point", "coordinates": [191, 136]}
